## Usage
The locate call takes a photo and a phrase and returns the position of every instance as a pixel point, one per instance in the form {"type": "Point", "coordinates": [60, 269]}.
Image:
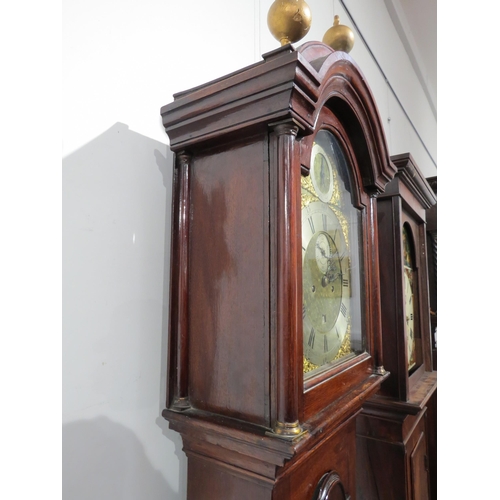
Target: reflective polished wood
{"type": "Point", "coordinates": [251, 427]}
{"type": "Point", "coordinates": [397, 427]}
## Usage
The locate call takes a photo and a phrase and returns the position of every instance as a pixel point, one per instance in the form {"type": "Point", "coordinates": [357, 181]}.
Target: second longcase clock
{"type": "Point", "coordinates": [275, 333]}
{"type": "Point", "coordinates": [397, 427]}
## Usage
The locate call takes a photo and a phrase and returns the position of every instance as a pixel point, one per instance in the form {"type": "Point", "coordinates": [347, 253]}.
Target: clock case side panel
{"type": "Point", "coordinates": [226, 357]}
{"type": "Point", "coordinates": [229, 281]}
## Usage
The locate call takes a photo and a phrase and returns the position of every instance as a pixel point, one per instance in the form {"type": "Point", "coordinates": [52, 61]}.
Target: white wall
{"type": "Point", "coordinates": [121, 62]}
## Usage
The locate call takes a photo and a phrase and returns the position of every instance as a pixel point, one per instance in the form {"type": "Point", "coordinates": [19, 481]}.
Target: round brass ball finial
{"type": "Point", "coordinates": [289, 20]}
{"type": "Point", "coordinates": [339, 37]}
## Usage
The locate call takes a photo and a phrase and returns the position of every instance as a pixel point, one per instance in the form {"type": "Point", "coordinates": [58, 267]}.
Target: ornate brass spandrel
{"type": "Point", "coordinates": [308, 195]}
{"type": "Point", "coordinates": [344, 350]}
{"type": "Point", "coordinates": [308, 366]}
{"type": "Point", "coordinates": [307, 192]}
{"type": "Point", "coordinates": [336, 199]}
{"type": "Point", "coordinates": [343, 224]}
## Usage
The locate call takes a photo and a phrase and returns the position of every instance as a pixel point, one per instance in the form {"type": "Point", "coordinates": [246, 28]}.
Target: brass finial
{"type": "Point", "coordinates": [339, 37]}
{"type": "Point", "coordinates": [289, 20]}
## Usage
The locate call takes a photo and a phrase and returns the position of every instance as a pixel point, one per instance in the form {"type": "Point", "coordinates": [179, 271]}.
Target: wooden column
{"type": "Point", "coordinates": [285, 231]}
{"type": "Point", "coordinates": [375, 298]}
{"type": "Point", "coordinates": [178, 399]}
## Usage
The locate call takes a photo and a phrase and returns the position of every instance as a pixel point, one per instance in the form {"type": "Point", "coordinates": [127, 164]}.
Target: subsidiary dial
{"type": "Point", "coordinates": [322, 173]}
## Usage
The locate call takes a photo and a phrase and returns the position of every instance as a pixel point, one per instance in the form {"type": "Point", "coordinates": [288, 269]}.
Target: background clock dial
{"type": "Point", "coordinates": [409, 300]}
{"type": "Point", "coordinates": [409, 318]}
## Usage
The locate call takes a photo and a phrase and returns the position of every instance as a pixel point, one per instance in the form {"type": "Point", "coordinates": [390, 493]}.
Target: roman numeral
{"type": "Point", "coordinates": [325, 347]}
{"type": "Point", "coordinates": [343, 309]}
{"type": "Point", "coordinates": [312, 335]}
{"type": "Point", "coordinates": [303, 311]}
{"type": "Point", "coordinates": [323, 217]}
{"type": "Point", "coordinates": [345, 282]}
{"type": "Point", "coordinates": [311, 224]}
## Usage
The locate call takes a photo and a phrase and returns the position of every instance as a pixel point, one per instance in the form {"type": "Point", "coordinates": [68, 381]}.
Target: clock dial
{"type": "Point", "coordinates": [329, 260]}
{"type": "Point", "coordinates": [409, 300]}
{"type": "Point", "coordinates": [326, 297]}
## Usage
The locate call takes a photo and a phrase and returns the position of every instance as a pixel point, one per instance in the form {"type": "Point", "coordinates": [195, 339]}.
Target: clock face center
{"type": "Point", "coordinates": [321, 271]}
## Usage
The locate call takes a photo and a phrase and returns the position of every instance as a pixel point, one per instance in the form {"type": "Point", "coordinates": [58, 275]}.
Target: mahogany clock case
{"type": "Point", "coordinates": [431, 216]}
{"type": "Point", "coordinates": [432, 267]}
{"type": "Point", "coordinates": [253, 425]}
{"type": "Point", "coordinates": [397, 427]}
{"type": "Point", "coordinates": [401, 207]}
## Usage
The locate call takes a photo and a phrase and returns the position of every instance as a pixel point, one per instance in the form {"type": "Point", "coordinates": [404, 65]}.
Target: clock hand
{"type": "Point", "coordinates": [323, 253]}
{"type": "Point", "coordinates": [330, 277]}
{"type": "Point", "coordinates": [333, 276]}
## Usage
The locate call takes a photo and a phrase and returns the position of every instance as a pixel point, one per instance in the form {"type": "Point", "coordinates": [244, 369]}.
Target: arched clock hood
{"type": "Point", "coordinates": [287, 84]}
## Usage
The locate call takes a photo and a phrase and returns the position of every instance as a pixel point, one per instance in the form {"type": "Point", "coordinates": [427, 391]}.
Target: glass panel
{"type": "Point", "coordinates": [409, 297]}
{"type": "Point", "coordinates": [331, 306]}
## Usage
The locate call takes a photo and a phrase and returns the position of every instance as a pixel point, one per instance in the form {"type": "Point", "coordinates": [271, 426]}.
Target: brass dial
{"type": "Point", "coordinates": [325, 281]}
{"type": "Point", "coordinates": [329, 246]}
{"type": "Point", "coordinates": [409, 299]}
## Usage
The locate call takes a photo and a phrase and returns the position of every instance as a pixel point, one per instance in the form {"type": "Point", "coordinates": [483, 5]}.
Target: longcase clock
{"type": "Point", "coordinates": [432, 267]}
{"type": "Point", "coordinates": [431, 218]}
{"type": "Point", "coordinates": [275, 308]}
{"type": "Point", "coordinates": [397, 427]}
